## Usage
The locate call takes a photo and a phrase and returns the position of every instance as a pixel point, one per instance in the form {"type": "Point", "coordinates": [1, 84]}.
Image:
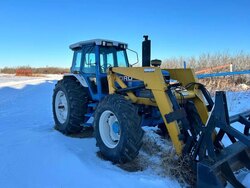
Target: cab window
{"type": "Point", "coordinates": [77, 61]}
{"type": "Point", "coordinates": [112, 57]}
{"type": "Point", "coordinates": [121, 58]}
{"type": "Point", "coordinates": [89, 61]}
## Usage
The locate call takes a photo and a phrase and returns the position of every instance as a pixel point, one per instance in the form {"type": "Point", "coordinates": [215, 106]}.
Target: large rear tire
{"type": "Point", "coordinates": [117, 128]}
{"type": "Point", "coordinates": [70, 100]}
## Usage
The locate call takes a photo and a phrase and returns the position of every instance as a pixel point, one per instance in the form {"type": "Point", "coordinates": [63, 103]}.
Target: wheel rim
{"type": "Point", "coordinates": [61, 107]}
{"type": "Point", "coordinates": [109, 129]}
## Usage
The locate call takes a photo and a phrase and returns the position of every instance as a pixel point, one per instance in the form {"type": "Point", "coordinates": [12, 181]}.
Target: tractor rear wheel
{"type": "Point", "coordinates": [70, 100]}
{"type": "Point", "coordinates": [117, 127]}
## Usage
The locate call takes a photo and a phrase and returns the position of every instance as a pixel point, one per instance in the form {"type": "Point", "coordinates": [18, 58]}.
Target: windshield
{"type": "Point", "coordinates": [112, 57]}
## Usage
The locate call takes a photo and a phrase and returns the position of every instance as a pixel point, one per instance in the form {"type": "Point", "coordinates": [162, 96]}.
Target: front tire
{"type": "Point", "coordinates": [70, 100]}
{"type": "Point", "coordinates": [118, 129]}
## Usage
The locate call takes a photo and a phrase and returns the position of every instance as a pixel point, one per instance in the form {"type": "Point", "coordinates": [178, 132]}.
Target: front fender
{"type": "Point", "coordinates": [80, 78]}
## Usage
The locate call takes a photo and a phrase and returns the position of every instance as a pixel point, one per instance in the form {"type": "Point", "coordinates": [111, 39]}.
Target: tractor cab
{"type": "Point", "coordinates": [91, 60]}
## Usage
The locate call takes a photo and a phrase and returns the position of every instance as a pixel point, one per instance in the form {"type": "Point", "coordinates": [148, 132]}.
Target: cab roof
{"type": "Point", "coordinates": [100, 42]}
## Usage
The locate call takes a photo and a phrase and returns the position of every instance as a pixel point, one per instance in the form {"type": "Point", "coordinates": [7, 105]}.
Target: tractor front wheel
{"type": "Point", "coordinates": [118, 129]}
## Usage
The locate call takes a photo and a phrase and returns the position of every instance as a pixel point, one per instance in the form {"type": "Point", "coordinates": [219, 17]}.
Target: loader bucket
{"type": "Point", "coordinates": [216, 164]}
{"type": "Point", "coordinates": [216, 174]}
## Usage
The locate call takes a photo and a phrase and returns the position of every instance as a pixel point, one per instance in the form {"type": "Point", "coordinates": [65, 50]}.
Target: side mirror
{"type": "Point", "coordinates": [137, 57]}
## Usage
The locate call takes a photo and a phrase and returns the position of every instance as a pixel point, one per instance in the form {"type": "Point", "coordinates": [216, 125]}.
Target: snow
{"type": "Point", "coordinates": [33, 154]}
{"type": "Point", "coordinates": [10, 80]}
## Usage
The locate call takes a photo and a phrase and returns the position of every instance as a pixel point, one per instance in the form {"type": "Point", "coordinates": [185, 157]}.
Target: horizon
{"type": "Point", "coordinates": [225, 54]}
{"type": "Point", "coordinates": [38, 33]}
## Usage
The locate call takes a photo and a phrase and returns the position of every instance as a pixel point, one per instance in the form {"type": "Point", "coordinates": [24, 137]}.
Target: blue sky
{"type": "Point", "coordinates": [38, 33]}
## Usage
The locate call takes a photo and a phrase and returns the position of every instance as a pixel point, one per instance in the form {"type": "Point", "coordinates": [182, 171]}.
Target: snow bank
{"type": "Point", "coordinates": [10, 80]}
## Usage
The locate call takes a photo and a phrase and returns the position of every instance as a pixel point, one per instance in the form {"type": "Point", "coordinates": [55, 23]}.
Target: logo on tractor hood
{"type": "Point", "coordinates": [126, 78]}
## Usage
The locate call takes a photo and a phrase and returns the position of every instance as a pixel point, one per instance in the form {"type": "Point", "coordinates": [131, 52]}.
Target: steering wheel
{"type": "Point", "coordinates": [105, 68]}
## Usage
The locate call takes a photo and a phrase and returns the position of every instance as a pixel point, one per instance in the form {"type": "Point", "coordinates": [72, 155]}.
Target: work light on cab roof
{"type": "Point", "coordinates": [99, 42]}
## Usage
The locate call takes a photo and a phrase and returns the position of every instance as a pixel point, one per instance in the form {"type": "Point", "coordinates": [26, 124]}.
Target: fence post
{"type": "Point", "coordinates": [231, 67]}
{"type": "Point", "coordinates": [231, 70]}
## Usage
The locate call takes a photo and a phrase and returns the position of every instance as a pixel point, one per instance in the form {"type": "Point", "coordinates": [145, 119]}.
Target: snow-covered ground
{"type": "Point", "coordinates": [10, 80]}
{"type": "Point", "coordinates": [33, 154]}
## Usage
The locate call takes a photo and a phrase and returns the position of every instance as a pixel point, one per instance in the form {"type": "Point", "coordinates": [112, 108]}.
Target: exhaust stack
{"type": "Point", "coordinates": [146, 52]}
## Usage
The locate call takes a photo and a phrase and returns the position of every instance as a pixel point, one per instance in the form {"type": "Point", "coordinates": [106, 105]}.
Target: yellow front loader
{"type": "Point", "coordinates": [191, 119]}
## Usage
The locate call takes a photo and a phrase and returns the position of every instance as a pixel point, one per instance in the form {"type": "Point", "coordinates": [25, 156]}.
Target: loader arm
{"type": "Point", "coordinates": [153, 80]}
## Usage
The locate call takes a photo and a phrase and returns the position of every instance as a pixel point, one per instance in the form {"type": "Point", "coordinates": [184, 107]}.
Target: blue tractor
{"type": "Point", "coordinates": [78, 94]}
{"type": "Point", "coordinates": [104, 92]}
